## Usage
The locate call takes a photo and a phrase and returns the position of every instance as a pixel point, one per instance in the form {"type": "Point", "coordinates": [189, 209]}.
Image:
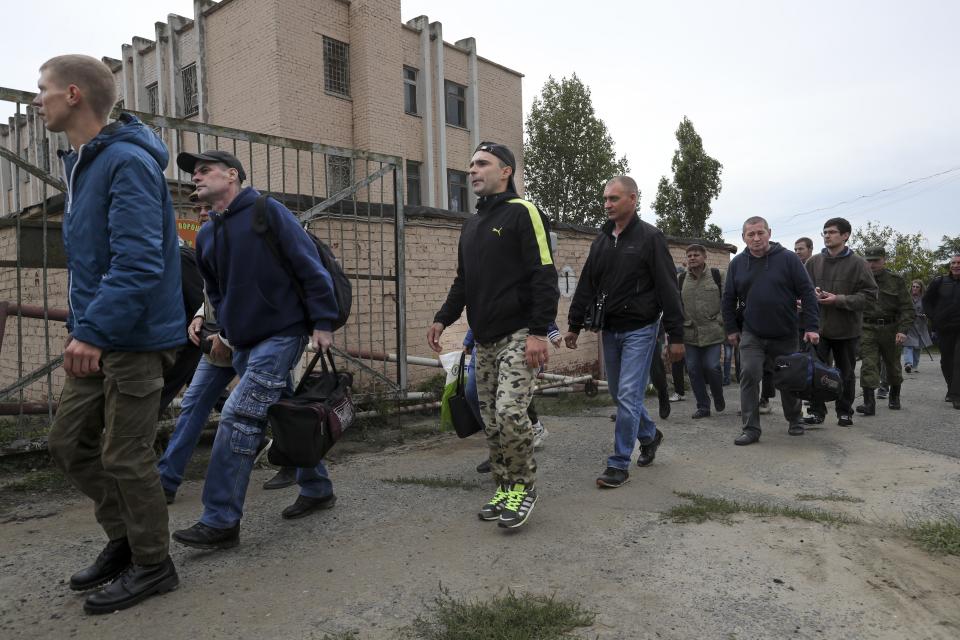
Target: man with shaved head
{"type": "Point", "coordinates": [628, 280]}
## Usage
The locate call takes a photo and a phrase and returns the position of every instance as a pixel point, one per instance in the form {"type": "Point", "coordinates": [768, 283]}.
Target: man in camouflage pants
{"type": "Point", "coordinates": [886, 321]}
{"type": "Point", "coordinates": [507, 281]}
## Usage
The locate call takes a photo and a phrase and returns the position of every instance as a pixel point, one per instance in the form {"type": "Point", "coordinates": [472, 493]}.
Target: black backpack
{"type": "Point", "coordinates": [342, 289]}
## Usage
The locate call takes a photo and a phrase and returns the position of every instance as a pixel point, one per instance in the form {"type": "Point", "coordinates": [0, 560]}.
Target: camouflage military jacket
{"type": "Point", "coordinates": [893, 302]}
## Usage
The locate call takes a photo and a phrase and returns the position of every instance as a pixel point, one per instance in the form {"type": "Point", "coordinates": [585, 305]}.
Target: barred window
{"type": "Point", "coordinates": [410, 90]}
{"type": "Point", "coordinates": [456, 101]}
{"type": "Point", "coordinates": [413, 183]}
{"type": "Point", "coordinates": [457, 190]}
{"type": "Point", "coordinates": [153, 98]}
{"type": "Point", "coordinates": [336, 66]}
{"type": "Point", "coordinates": [339, 174]}
{"type": "Point", "coordinates": [188, 81]}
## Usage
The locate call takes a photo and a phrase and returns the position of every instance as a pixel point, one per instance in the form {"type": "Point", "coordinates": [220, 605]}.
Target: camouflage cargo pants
{"type": "Point", "coordinates": [505, 388]}
{"type": "Point", "coordinates": [879, 344]}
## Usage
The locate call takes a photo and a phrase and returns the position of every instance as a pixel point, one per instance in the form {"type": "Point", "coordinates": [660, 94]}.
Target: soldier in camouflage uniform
{"type": "Point", "coordinates": [507, 281]}
{"type": "Point", "coordinates": [886, 321]}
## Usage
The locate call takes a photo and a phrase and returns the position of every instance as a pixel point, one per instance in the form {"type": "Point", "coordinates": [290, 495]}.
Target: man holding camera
{"type": "Point", "coordinates": [843, 284]}
{"type": "Point", "coordinates": [628, 280]}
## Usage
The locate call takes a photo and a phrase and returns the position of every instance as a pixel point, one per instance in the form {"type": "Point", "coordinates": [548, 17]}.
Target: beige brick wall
{"type": "Point", "coordinates": [501, 111]}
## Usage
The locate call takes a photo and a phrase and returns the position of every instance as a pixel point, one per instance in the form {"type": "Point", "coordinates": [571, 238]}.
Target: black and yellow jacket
{"type": "Point", "coordinates": [505, 271]}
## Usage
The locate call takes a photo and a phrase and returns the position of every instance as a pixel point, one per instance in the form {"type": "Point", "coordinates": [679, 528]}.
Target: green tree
{"type": "Point", "coordinates": [568, 154]}
{"type": "Point", "coordinates": [683, 205]}
{"type": "Point", "coordinates": [907, 254]}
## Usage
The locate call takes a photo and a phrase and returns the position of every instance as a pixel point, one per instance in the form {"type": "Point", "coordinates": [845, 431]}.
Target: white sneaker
{"type": "Point", "coordinates": [676, 397]}
{"type": "Point", "coordinates": [539, 435]}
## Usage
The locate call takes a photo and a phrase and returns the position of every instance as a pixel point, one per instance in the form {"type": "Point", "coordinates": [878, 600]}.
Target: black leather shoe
{"type": "Point", "coordinates": [200, 536]}
{"type": "Point", "coordinates": [664, 406]}
{"type": "Point", "coordinates": [956, 404]}
{"type": "Point", "coordinates": [719, 404]}
{"type": "Point", "coordinates": [611, 478]}
{"type": "Point", "coordinates": [649, 451]}
{"type": "Point", "coordinates": [894, 398]}
{"type": "Point", "coordinates": [814, 419]}
{"type": "Point", "coordinates": [747, 437]}
{"type": "Point", "coordinates": [111, 562]}
{"type": "Point", "coordinates": [700, 413]}
{"type": "Point", "coordinates": [844, 420]}
{"type": "Point", "coordinates": [484, 467]}
{"type": "Point", "coordinates": [287, 476]}
{"type": "Point", "coordinates": [796, 430]}
{"type": "Point", "coordinates": [134, 585]}
{"type": "Point", "coordinates": [169, 496]}
{"type": "Point", "coordinates": [305, 505]}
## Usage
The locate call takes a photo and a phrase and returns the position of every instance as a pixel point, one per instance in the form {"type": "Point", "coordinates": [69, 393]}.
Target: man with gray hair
{"type": "Point", "coordinates": [627, 282]}
{"type": "Point", "coordinates": [759, 304]}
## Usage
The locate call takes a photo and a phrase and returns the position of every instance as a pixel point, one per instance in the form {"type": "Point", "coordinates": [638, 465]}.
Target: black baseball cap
{"type": "Point", "coordinates": [188, 161]}
{"type": "Point", "coordinates": [505, 156]}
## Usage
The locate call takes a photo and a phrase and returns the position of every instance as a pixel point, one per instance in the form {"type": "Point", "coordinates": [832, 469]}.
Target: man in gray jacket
{"type": "Point", "coordinates": [843, 284]}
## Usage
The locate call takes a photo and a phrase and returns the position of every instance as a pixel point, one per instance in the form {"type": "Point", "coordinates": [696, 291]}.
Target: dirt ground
{"type": "Point", "coordinates": [371, 564]}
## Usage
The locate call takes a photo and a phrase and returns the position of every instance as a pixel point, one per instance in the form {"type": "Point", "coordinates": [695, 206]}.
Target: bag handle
{"type": "Point", "coordinates": [460, 376]}
{"type": "Point", "coordinates": [313, 364]}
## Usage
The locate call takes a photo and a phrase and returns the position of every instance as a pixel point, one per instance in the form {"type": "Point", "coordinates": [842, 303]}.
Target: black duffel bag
{"type": "Point", "coordinates": [806, 376]}
{"type": "Point", "coordinates": [306, 425]}
{"type": "Point", "coordinates": [464, 421]}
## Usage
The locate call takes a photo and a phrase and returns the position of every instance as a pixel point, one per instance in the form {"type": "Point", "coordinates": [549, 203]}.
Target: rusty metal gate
{"type": "Point", "coordinates": [350, 199]}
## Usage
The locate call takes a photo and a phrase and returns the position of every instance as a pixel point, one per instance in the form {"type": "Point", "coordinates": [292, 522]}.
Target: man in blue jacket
{"type": "Point", "coordinates": [759, 307]}
{"type": "Point", "coordinates": [265, 321]}
{"type": "Point", "coordinates": [125, 324]}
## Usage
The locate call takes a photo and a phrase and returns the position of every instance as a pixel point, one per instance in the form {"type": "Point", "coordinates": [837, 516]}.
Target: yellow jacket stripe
{"type": "Point", "coordinates": [541, 234]}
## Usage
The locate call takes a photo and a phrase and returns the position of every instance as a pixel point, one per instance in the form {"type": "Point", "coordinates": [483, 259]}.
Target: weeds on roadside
{"type": "Point", "coordinates": [937, 536]}
{"type": "Point", "coordinates": [39, 480]}
{"type": "Point", "coordinates": [704, 508]}
{"type": "Point", "coordinates": [508, 617]}
{"type": "Point", "coordinates": [571, 404]}
{"type": "Point", "coordinates": [829, 497]}
{"type": "Point", "coordinates": [436, 483]}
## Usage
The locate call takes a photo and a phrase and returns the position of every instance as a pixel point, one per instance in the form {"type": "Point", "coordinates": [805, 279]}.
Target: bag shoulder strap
{"type": "Point", "coordinates": [262, 226]}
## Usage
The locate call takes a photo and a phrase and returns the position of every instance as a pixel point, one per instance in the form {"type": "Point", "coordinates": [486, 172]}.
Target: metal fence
{"type": "Point", "coordinates": [350, 199]}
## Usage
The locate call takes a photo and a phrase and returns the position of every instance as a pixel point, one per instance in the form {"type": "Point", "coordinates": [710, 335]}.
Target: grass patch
{"type": "Point", "coordinates": [437, 483]}
{"type": "Point", "coordinates": [509, 617]}
{"type": "Point", "coordinates": [703, 508]}
{"type": "Point", "coordinates": [829, 497]}
{"type": "Point", "coordinates": [39, 480]}
{"type": "Point", "coordinates": [937, 536]}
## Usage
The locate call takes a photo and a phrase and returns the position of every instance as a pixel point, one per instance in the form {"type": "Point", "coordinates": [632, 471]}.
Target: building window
{"type": "Point", "coordinates": [456, 104]}
{"type": "Point", "coordinates": [339, 174]}
{"type": "Point", "coordinates": [457, 190]}
{"type": "Point", "coordinates": [153, 98]}
{"type": "Point", "coordinates": [413, 183]}
{"type": "Point", "coordinates": [336, 66]}
{"type": "Point", "coordinates": [410, 90]}
{"type": "Point", "coordinates": [188, 80]}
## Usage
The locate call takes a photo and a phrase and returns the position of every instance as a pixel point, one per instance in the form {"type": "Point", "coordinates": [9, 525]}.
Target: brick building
{"type": "Point", "coordinates": [343, 73]}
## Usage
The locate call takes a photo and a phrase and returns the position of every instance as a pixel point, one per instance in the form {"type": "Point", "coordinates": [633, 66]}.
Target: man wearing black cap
{"type": "Point", "coordinates": [886, 320]}
{"type": "Point", "coordinates": [508, 282]}
{"type": "Point", "coordinates": [266, 322]}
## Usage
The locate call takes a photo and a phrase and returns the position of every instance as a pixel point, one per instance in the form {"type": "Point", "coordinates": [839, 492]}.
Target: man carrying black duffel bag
{"type": "Point", "coordinates": [267, 315]}
{"type": "Point", "coordinates": [768, 280]}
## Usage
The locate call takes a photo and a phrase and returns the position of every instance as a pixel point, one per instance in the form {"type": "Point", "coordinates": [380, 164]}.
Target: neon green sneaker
{"type": "Point", "coordinates": [517, 507]}
{"type": "Point", "coordinates": [491, 510]}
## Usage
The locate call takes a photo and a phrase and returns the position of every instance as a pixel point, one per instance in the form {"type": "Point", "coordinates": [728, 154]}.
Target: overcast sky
{"type": "Point", "coordinates": [806, 104]}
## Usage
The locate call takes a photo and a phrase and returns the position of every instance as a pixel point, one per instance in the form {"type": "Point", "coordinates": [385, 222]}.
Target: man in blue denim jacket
{"type": "Point", "coordinates": [262, 316]}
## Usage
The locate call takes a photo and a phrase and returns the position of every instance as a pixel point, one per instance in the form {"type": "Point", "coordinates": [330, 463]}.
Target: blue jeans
{"type": "Point", "coordinates": [703, 367]}
{"type": "Point", "coordinates": [208, 383]}
{"type": "Point", "coordinates": [727, 361]}
{"type": "Point", "coordinates": [471, 389]}
{"type": "Point", "coordinates": [264, 374]}
{"type": "Point", "coordinates": [627, 356]}
{"type": "Point", "coordinates": [911, 356]}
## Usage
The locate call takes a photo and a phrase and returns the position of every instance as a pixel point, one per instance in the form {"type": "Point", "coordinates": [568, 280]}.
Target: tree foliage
{"type": "Point", "coordinates": [568, 154]}
{"type": "Point", "coordinates": [683, 204]}
{"type": "Point", "coordinates": [907, 254]}
{"type": "Point", "coordinates": [948, 248]}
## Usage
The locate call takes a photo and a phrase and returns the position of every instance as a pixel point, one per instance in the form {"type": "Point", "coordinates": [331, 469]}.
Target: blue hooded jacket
{"type": "Point", "coordinates": [769, 287]}
{"type": "Point", "coordinates": [252, 294]}
{"type": "Point", "coordinates": [120, 236]}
